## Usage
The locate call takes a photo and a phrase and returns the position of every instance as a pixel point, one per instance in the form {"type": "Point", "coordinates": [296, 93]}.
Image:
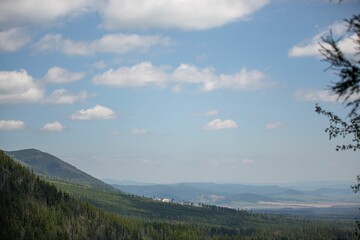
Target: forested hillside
{"type": "Point", "coordinates": [32, 208]}
{"type": "Point", "coordinates": [49, 166]}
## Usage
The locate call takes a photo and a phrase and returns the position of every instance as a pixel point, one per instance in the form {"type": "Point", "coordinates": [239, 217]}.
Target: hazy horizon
{"type": "Point", "coordinates": [177, 91]}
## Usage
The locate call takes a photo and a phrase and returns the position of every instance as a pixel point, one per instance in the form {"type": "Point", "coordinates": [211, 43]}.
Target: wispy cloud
{"type": "Point", "coordinates": [53, 127]}
{"type": "Point", "coordinates": [232, 161]}
{"type": "Point", "coordinates": [211, 113]}
{"type": "Point", "coordinates": [180, 14]}
{"type": "Point", "coordinates": [110, 43]}
{"type": "Point", "coordinates": [138, 132]}
{"type": "Point", "coordinates": [312, 47]}
{"type": "Point", "coordinates": [274, 125]}
{"type": "Point", "coordinates": [317, 95]}
{"type": "Point", "coordinates": [40, 11]}
{"type": "Point", "coordinates": [63, 96]}
{"type": "Point", "coordinates": [218, 124]}
{"type": "Point", "coordinates": [98, 112]}
{"type": "Point", "coordinates": [206, 79]}
{"type": "Point", "coordinates": [13, 39]}
{"type": "Point", "coordinates": [11, 125]}
{"type": "Point", "coordinates": [61, 75]}
{"type": "Point", "coordinates": [247, 161]}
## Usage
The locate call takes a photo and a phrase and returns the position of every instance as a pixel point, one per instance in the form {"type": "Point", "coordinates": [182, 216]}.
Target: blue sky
{"type": "Point", "coordinates": [172, 91]}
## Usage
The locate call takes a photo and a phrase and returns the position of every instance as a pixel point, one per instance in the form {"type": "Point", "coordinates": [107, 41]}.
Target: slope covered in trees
{"type": "Point", "coordinates": [49, 166]}
{"type": "Point", "coordinates": [32, 208]}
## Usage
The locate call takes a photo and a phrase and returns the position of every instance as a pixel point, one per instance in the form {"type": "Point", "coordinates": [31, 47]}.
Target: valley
{"type": "Point", "coordinates": [260, 198]}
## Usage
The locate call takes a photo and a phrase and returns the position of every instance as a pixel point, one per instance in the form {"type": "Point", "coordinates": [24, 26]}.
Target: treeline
{"type": "Point", "coordinates": [31, 208]}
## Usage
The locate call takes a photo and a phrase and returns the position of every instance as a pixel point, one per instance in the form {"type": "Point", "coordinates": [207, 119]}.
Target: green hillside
{"type": "Point", "coordinates": [49, 166]}
{"type": "Point", "coordinates": [35, 208]}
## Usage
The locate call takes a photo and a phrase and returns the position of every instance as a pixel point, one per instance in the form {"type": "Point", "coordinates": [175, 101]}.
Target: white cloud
{"type": "Point", "coordinates": [247, 161]}
{"type": "Point", "coordinates": [62, 96]}
{"type": "Point", "coordinates": [18, 86]}
{"type": "Point", "coordinates": [211, 113]}
{"type": "Point", "coordinates": [180, 14]}
{"type": "Point", "coordinates": [218, 124]}
{"type": "Point", "coordinates": [39, 11]}
{"type": "Point", "coordinates": [206, 79]}
{"type": "Point", "coordinates": [209, 80]}
{"type": "Point", "coordinates": [53, 127]}
{"type": "Point", "coordinates": [13, 39]}
{"type": "Point", "coordinates": [61, 75]}
{"type": "Point", "coordinates": [315, 95]}
{"type": "Point", "coordinates": [188, 74]}
{"type": "Point", "coordinates": [99, 64]}
{"type": "Point", "coordinates": [312, 47]}
{"type": "Point", "coordinates": [110, 43]}
{"type": "Point", "coordinates": [274, 125]}
{"type": "Point", "coordinates": [96, 113]}
{"type": "Point", "coordinates": [207, 113]}
{"type": "Point", "coordinates": [138, 132]}
{"type": "Point", "coordinates": [11, 125]}
{"type": "Point", "coordinates": [136, 76]}
{"type": "Point", "coordinates": [244, 80]}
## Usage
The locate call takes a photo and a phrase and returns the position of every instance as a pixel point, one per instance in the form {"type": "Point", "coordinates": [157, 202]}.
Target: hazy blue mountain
{"type": "Point", "coordinates": [251, 197]}
{"type": "Point", "coordinates": [124, 182]}
{"type": "Point", "coordinates": [49, 166]}
{"type": "Point", "coordinates": [240, 195]}
{"type": "Point", "coordinates": [178, 192]}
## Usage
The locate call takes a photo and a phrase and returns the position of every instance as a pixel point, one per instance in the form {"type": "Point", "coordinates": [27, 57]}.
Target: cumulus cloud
{"type": "Point", "coordinates": [62, 96]}
{"type": "Point", "coordinates": [274, 125]}
{"type": "Point", "coordinates": [136, 76]}
{"type": "Point", "coordinates": [19, 86]}
{"type": "Point", "coordinates": [53, 127]}
{"type": "Point", "coordinates": [11, 125]}
{"type": "Point", "coordinates": [138, 132]}
{"type": "Point", "coordinates": [13, 39]}
{"type": "Point", "coordinates": [40, 11]}
{"type": "Point", "coordinates": [96, 113]}
{"type": "Point", "coordinates": [110, 43]}
{"type": "Point", "coordinates": [61, 75]}
{"type": "Point", "coordinates": [179, 14]}
{"type": "Point", "coordinates": [312, 47]}
{"type": "Point", "coordinates": [206, 79]}
{"type": "Point", "coordinates": [218, 124]}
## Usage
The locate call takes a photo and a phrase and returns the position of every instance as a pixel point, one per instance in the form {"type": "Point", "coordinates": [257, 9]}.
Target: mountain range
{"type": "Point", "coordinates": [245, 196]}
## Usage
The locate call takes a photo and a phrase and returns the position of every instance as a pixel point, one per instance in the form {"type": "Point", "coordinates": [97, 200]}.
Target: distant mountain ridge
{"type": "Point", "coordinates": [241, 195]}
{"type": "Point", "coordinates": [49, 166]}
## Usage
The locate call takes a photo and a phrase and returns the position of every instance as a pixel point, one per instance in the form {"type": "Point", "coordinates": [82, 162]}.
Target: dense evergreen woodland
{"type": "Point", "coordinates": [32, 208]}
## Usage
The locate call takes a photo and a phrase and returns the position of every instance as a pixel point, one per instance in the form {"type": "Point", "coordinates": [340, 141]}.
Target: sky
{"type": "Point", "coordinates": [167, 91]}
